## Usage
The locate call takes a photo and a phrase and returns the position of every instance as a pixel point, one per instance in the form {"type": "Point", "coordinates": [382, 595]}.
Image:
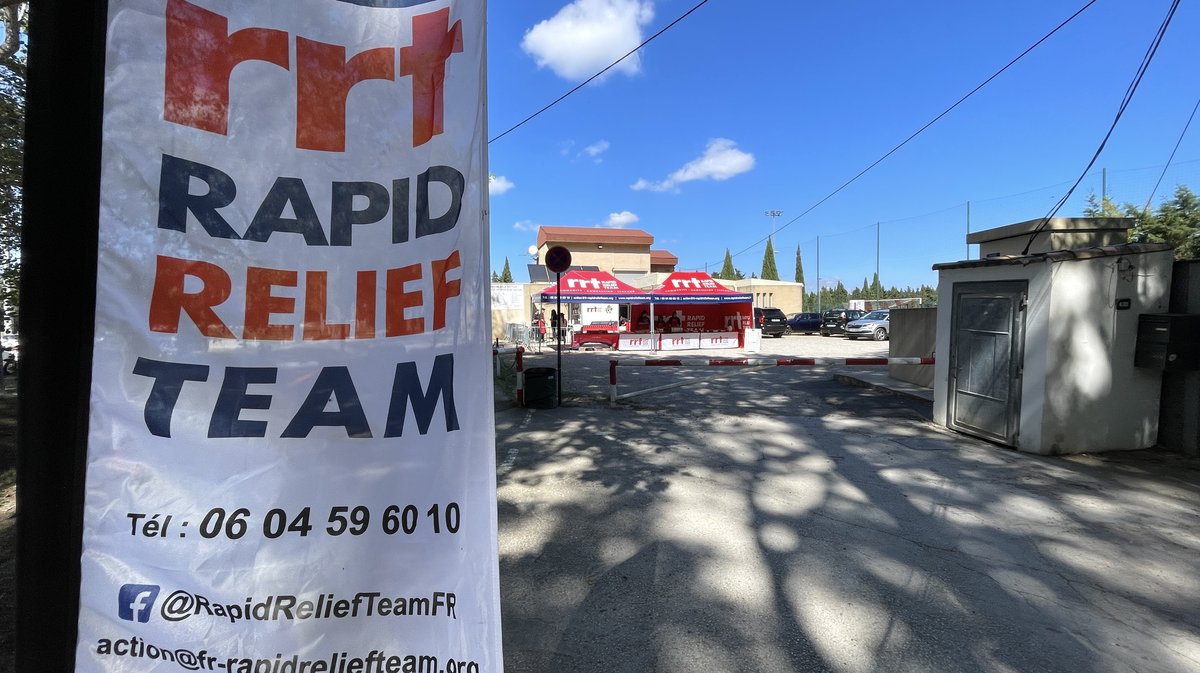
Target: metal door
{"type": "Point", "coordinates": [986, 352]}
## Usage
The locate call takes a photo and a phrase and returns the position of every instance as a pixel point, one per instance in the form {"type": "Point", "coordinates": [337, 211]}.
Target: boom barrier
{"type": "Point", "coordinates": [749, 362]}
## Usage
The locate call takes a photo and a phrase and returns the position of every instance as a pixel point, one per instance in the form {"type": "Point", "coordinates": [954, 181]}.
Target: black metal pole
{"type": "Point", "coordinates": [558, 333]}
{"type": "Point", "coordinates": [58, 290]}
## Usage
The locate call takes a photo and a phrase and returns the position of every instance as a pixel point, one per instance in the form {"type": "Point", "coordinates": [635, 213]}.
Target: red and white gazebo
{"type": "Point", "coordinates": [690, 311]}
{"type": "Point", "coordinates": [593, 287]}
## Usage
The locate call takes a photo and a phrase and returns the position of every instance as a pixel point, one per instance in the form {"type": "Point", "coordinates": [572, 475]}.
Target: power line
{"type": "Point", "coordinates": [1133, 85]}
{"type": "Point", "coordinates": [1172, 157]}
{"type": "Point", "coordinates": [919, 131]}
{"type": "Point", "coordinates": [610, 66]}
{"type": "Point", "coordinates": [990, 199]}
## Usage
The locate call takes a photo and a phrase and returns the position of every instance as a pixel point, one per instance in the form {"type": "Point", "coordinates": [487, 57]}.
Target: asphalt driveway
{"type": "Point", "coordinates": [777, 520]}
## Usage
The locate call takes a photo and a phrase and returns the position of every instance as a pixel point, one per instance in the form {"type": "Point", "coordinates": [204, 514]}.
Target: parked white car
{"type": "Point", "coordinates": [873, 325]}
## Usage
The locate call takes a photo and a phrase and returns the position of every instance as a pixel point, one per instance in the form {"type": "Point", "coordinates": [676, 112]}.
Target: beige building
{"type": "Point", "coordinates": [784, 295]}
{"type": "Point", "coordinates": [626, 254]}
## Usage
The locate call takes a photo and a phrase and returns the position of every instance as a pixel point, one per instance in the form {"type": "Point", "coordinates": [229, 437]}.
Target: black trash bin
{"type": "Point", "coordinates": [541, 387]}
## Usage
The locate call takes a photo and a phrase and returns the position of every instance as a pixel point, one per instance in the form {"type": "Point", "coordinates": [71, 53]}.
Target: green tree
{"type": "Point", "coordinates": [495, 277]}
{"type": "Point", "coordinates": [799, 268]}
{"type": "Point", "coordinates": [506, 274]}
{"type": "Point", "coordinates": [769, 270]}
{"type": "Point", "coordinates": [12, 150]}
{"type": "Point", "coordinates": [13, 14]}
{"type": "Point", "coordinates": [1176, 222]}
{"type": "Point", "coordinates": [876, 290]}
{"type": "Point", "coordinates": [727, 271]}
{"type": "Point", "coordinates": [1102, 207]}
{"type": "Point", "coordinates": [839, 296]}
{"type": "Point", "coordinates": [929, 296]}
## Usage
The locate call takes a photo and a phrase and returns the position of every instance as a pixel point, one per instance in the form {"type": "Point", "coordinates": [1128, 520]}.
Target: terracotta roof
{"type": "Point", "coordinates": [592, 235]}
{"type": "Point", "coordinates": [663, 257]}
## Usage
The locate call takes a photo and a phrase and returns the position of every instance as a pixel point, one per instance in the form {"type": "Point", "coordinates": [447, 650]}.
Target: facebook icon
{"type": "Point", "coordinates": [135, 601]}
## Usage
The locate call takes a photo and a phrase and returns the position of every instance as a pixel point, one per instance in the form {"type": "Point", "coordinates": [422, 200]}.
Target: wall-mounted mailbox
{"type": "Point", "coordinates": [1168, 341]}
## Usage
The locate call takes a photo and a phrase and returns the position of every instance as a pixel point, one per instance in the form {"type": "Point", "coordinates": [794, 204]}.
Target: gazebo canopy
{"type": "Point", "coordinates": [599, 287]}
{"type": "Point", "coordinates": [695, 287]}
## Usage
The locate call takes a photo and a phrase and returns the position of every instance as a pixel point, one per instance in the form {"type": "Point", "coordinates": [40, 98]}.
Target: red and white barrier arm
{"type": "Point", "coordinates": [752, 362]}
{"type": "Point", "coordinates": [767, 362]}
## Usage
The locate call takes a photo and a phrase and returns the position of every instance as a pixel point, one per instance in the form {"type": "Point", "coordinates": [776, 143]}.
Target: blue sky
{"type": "Point", "coordinates": [745, 107]}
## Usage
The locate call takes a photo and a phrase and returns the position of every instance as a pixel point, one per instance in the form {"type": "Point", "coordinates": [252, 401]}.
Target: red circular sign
{"type": "Point", "coordinates": [558, 259]}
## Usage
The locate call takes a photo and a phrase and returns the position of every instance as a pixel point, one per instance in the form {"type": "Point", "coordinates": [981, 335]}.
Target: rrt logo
{"type": "Point", "coordinates": [135, 602]}
{"type": "Point", "coordinates": [583, 283]}
{"type": "Point", "coordinates": [201, 56]}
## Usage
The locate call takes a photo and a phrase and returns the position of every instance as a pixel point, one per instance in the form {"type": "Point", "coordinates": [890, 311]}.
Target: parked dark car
{"type": "Point", "coordinates": [834, 320]}
{"type": "Point", "coordinates": [771, 321]}
{"type": "Point", "coordinates": [805, 323]}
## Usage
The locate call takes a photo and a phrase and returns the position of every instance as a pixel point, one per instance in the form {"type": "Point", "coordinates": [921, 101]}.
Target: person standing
{"type": "Point", "coordinates": [643, 322]}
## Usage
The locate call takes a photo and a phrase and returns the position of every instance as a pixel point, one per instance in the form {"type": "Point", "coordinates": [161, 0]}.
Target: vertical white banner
{"type": "Point", "coordinates": [291, 449]}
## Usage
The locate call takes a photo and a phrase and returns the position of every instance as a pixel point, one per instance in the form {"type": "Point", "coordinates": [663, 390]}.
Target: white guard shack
{"type": "Point", "coordinates": [1036, 350]}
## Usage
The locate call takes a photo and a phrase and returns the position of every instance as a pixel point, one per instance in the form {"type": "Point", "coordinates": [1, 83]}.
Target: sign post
{"type": "Point", "coordinates": [558, 260]}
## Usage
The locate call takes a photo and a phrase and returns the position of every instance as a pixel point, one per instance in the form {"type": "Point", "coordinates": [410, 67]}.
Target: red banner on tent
{"type": "Point", "coordinates": [594, 287]}
{"type": "Point", "coordinates": [695, 287]}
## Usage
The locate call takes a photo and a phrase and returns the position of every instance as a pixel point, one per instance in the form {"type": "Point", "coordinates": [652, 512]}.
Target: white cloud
{"type": "Point", "coordinates": [526, 225]}
{"type": "Point", "coordinates": [587, 35]}
{"type": "Point", "coordinates": [721, 160]}
{"type": "Point", "coordinates": [498, 184]}
{"type": "Point", "coordinates": [621, 220]}
{"type": "Point", "coordinates": [596, 148]}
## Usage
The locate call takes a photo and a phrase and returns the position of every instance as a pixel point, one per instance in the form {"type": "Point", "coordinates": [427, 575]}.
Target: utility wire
{"type": "Point", "coordinates": [957, 206]}
{"type": "Point", "coordinates": [1172, 157]}
{"type": "Point", "coordinates": [918, 132]}
{"type": "Point", "coordinates": [1133, 85]}
{"type": "Point", "coordinates": [612, 65]}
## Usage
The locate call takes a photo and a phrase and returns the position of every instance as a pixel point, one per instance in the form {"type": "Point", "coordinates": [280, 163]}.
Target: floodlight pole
{"type": "Point", "coordinates": [878, 282]}
{"type": "Point", "coordinates": [818, 274]}
{"type": "Point", "coordinates": [773, 214]}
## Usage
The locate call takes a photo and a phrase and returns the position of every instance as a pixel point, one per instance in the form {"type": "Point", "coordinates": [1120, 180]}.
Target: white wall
{"type": "Point", "coordinates": [1080, 391]}
{"type": "Point", "coordinates": [1096, 400]}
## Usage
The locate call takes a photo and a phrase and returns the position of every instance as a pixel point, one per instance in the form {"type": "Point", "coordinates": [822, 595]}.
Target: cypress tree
{"type": "Point", "coordinates": [727, 271]}
{"type": "Point", "coordinates": [769, 271]}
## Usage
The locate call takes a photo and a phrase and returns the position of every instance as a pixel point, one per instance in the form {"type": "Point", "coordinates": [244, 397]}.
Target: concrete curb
{"type": "Point", "coordinates": [891, 386]}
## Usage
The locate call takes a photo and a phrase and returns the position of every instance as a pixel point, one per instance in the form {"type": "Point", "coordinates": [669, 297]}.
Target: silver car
{"type": "Point", "coordinates": [873, 325]}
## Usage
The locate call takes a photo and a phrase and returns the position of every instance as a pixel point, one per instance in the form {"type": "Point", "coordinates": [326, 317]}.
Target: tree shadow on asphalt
{"type": "Point", "coordinates": [755, 526]}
